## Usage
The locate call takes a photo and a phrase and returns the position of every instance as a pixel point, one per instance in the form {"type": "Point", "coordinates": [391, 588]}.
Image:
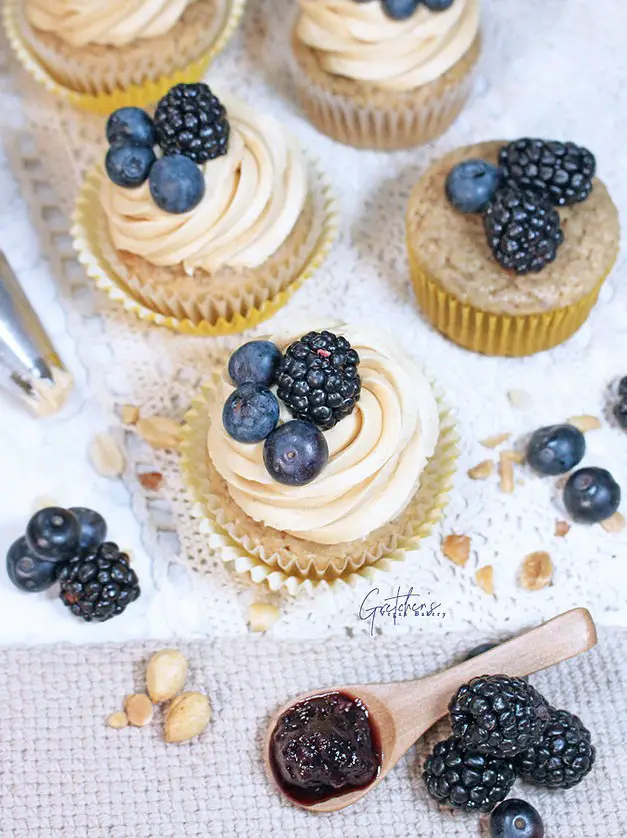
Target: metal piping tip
{"type": "Point", "coordinates": [30, 367]}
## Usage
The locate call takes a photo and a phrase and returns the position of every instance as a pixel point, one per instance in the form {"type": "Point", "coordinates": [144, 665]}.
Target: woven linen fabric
{"type": "Point", "coordinates": [65, 774]}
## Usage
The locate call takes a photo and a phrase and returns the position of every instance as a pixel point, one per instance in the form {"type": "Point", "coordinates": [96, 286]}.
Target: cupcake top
{"type": "Point", "coordinates": [375, 439]}
{"type": "Point", "coordinates": [113, 23]}
{"type": "Point", "coordinates": [226, 193]}
{"type": "Point", "coordinates": [360, 41]}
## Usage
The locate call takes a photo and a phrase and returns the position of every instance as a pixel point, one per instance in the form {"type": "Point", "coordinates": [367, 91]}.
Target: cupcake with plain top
{"type": "Point", "coordinates": [385, 73]}
{"type": "Point", "coordinates": [509, 243]}
{"type": "Point", "coordinates": [319, 453]}
{"type": "Point", "coordinates": [123, 52]}
{"type": "Point", "coordinates": [209, 213]}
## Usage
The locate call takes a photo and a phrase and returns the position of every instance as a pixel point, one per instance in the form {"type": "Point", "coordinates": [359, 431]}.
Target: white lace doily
{"type": "Point", "coordinates": [549, 69]}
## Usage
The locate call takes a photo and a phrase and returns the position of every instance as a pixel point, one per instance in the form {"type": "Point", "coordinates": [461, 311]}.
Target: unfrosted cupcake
{"type": "Point", "coordinates": [217, 224]}
{"type": "Point", "coordinates": [113, 52]}
{"type": "Point", "coordinates": [383, 74]}
{"type": "Point", "coordinates": [319, 454]}
{"type": "Point", "coordinates": [509, 244]}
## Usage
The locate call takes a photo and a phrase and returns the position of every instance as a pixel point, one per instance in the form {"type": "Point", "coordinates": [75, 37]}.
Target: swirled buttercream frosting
{"type": "Point", "coordinates": [377, 453]}
{"type": "Point", "coordinates": [113, 23]}
{"type": "Point", "coordinates": [254, 195]}
{"type": "Point", "coordinates": [360, 42]}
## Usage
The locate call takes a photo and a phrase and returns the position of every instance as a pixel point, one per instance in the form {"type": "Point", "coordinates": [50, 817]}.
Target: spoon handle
{"type": "Point", "coordinates": [559, 639]}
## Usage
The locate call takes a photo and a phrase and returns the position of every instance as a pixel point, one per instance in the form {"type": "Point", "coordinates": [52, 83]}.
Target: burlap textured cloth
{"type": "Point", "coordinates": [63, 772]}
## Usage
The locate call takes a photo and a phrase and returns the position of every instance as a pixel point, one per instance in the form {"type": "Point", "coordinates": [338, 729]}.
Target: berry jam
{"type": "Point", "coordinates": [323, 747]}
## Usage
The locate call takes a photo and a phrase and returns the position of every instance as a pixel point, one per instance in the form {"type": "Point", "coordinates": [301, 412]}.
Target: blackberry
{"type": "Point", "coordinates": [523, 230]}
{"type": "Point", "coordinates": [464, 779]}
{"type": "Point", "coordinates": [498, 715]}
{"type": "Point", "coordinates": [190, 120]}
{"type": "Point", "coordinates": [559, 172]}
{"type": "Point", "coordinates": [318, 380]}
{"type": "Point", "coordinates": [564, 755]}
{"type": "Point", "coordinates": [100, 585]}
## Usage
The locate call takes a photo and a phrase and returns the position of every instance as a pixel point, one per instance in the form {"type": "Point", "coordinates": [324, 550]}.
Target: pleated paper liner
{"type": "Point", "coordinates": [370, 124]}
{"type": "Point", "coordinates": [497, 334]}
{"type": "Point", "coordinates": [188, 316]}
{"type": "Point", "coordinates": [239, 541]}
{"type": "Point", "coordinates": [134, 93]}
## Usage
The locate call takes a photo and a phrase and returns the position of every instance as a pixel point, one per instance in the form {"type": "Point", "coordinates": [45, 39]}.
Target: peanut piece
{"type": "Point", "coordinates": [160, 432]}
{"type": "Point", "coordinates": [520, 399]}
{"type": "Point", "coordinates": [106, 456]}
{"type": "Point", "coordinates": [262, 616]}
{"type": "Point", "coordinates": [614, 524]}
{"type": "Point", "coordinates": [118, 720]}
{"type": "Point", "coordinates": [506, 473]}
{"type": "Point", "coordinates": [481, 471]}
{"type": "Point", "coordinates": [165, 674]}
{"type": "Point", "coordinates": [585, 423]}
{"type": "Point", "coordinates": [186, 717]}
{"type": "Point", "coordinates": [139, 709]}
{"type": "Point", "coordinates": [129, 414]}
{"type": "Point", "coordinates": [484, 577]}
{"type": "Point", "coordinates": [457, 549]}
{"type": "Point", "coordinates": [562, 528]}
{"type": "Point", "coordinates": [536, 571]}
{"type": "Point", "coordinates": [495, 441]}
{"type": "Point", "coordinates": [151, 480]}
{"type": "Point", "coordinates": [515, 456]}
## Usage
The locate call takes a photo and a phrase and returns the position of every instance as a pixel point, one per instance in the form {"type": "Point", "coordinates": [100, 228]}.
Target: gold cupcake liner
{"type": "Point", "coordinates": [137, 94]}
{"type": "Point", "coordinates": [96, 252]}
{"type": "Point", "coordinates": [369, 125]}
{"type": "Point", "coordinates": [246, 556]}
{"type": "Point", "coordinates": [496, 334]}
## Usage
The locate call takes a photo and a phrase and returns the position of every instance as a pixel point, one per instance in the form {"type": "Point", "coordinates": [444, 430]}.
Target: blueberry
{"type": "Point", "coordinates": [53, 534]}
{"type": "Point", "coordinates": [400, 9]}
{"type": "Point", "coordinates": [27, 571]}
{"type": "Point", "coordinates": [556, 449]}
{"type": "Point", "coordinates": [93, 529]}
{"type": "Point", "coordinates": [256, 361]}
{"type": "Point", "coordinates": [620, 412]}
{"type": "Point", "coordinates": [438, 5]}
{"type": "Point", "coordinates": [591, 495]}
{"type": "Point", "coordinates": [471, 185]}
{"type": "Point", "coordinates": [515, 818]}
{"type": "Point", "coordinates": [622, 388]}
{"type": "Point", "coordinates": [250, 413]}
{"type": "Point", "coordinates": [177, 184]}
{"type": "Point", "coordinates": [131, 126]}
{"type": "Point", "coordinates": [295, 453]}
{"type": "Point", "coordinates": [128, 166]}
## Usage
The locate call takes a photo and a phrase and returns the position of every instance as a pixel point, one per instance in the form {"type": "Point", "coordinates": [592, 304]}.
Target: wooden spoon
{"type": "Point", "coordinates": [401, 712]}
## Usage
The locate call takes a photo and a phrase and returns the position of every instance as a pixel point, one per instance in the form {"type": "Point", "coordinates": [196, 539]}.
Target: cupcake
{"type": "Point", "coordinates": [207, 216]}
{"type": "Point", "coordinates": [385, 74]}
{"type": "Point", "coordinates": [318, 455]}
{"type": "Point", "coordinates": [107, 53]}
{"type": "Point", "coordinates": [509, 244]}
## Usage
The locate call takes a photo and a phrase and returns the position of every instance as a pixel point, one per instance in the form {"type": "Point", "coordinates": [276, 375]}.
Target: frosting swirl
{"type": "Point", "coordinates": [376, 455]}
{"type": "Point", "coordinates": [360, 42]}
{"type": "Point", "coordinates": [108, 22]}
{"type": "Point", "coordinates": [253, 198]}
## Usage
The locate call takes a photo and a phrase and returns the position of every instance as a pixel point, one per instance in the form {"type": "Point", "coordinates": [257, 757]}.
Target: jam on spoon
{"type": "Point", "coordinates": [324, 746]}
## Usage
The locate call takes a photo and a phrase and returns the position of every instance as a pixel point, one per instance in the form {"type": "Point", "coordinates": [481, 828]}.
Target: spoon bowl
{"type": "Point", "coordinates": [401, 712]}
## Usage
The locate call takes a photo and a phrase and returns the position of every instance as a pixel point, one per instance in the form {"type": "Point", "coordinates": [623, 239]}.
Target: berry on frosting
{"type": "Point", "coordinates": [250, 413]}
{"type": "Point", "coordinates": [176, 184]}
{"type": "Point", "coordinates": [471, 185]}
{"type": "Point", "coordinates": [556, 449]}
{"type": "Point", "coordinates": [295, 453]}
{"type": "Point", "coordinates": [591, 495]}
{"type": "Point", "coordinates": [190, 120]}
{"type": "Point", "coordinates": [400, 9]}
{"type": "Point", "coordinates": [318, 379]}
{"type": "Point", "coordinates": [560, 172]}
{"type": "Point", "coordinates": [523, 230]}
{"type": "Point", "coordinates": [256, 361]}
{"type": "Point", "coordinates": [129, 166]}
{"type": "Point", "coordinates": [131, 126]}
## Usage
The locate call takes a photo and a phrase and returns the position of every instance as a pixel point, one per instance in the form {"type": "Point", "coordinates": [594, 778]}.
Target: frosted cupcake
{"type": "Point", "coordinates": [319, 453]}
{"type": "Point", "coordinates": [509, 244]}
{"type": "Point", "coordinates": [209, 215]}
{"type": "Point", "coordinates": [382, 73]}
{"type": "Point", "coordinates": [105, 53]}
